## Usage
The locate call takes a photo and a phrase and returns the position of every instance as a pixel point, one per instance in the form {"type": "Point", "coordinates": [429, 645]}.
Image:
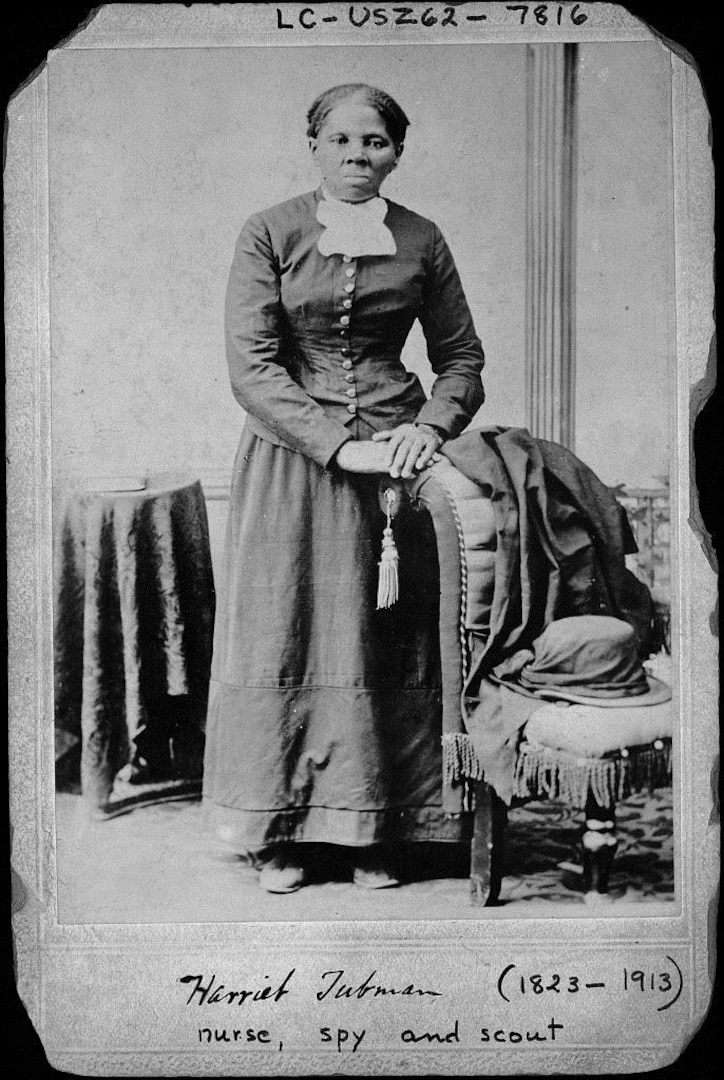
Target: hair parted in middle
{"type": "Point", "coordinates": [393, 116]}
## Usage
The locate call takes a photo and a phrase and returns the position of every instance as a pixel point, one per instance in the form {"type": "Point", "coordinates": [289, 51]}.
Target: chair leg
{"type": "Point", "coordinates": [599, 843]}
{"type": "Point", "coordinates": [486, 851]}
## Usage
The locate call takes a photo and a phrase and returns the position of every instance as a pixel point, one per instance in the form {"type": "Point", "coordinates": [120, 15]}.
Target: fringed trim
{"type": "Point", "coordinates": [460, 762]}
{"type": "Point", "coordinates": [543, 772]}
{"type": "Point", "coordinates": [388, 582]}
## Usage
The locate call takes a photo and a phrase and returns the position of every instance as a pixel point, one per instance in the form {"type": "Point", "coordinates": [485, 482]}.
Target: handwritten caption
{"type": "Point", "coordinates": [664, 983]}
{"type": "Point", "coordinates": [658, 986]}
{"type": "Point", "coordinates": [358, 15]}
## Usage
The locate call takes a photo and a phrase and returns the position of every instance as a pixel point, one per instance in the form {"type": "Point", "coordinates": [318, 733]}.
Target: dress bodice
{"type": "Point", "coordinates": [314, 341]}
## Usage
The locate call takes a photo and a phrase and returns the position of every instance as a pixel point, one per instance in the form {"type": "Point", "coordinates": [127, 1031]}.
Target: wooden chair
{"type": "Point", "coordinates": [555, 759]}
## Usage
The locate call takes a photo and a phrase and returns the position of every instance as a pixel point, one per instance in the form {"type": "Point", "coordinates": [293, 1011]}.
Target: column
{"type": "Point", "coordinates": [550, 242]}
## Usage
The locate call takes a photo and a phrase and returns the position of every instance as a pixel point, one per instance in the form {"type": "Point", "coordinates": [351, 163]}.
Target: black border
{"type": "Point", "coordinates": [29, 32]}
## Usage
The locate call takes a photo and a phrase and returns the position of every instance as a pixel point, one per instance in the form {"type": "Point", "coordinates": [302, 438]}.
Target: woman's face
{"type": "Point", "coordinates": [354, 152]}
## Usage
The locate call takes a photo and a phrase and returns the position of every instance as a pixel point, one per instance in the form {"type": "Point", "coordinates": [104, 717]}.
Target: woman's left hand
{"type": "Point", "coordinates": [413, 447]}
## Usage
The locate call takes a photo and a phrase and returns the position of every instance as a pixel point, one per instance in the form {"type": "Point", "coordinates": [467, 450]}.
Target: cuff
{"type": "Point", "coordinates": [331, 450]}
{"type": "Point", "coordinates": [439, 415]}
{"type": "Point", "coordinates": [433, 427]}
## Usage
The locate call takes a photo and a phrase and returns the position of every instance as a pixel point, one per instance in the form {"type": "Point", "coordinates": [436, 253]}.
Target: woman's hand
{"type": "Point", "coordinates": [364, 456]}
{"type": "Point", "coordinates": [412, 448]}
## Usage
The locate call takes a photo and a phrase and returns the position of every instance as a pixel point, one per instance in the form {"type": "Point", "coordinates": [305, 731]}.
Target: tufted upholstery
{"type": "Point", "coordinates": [477, 522]}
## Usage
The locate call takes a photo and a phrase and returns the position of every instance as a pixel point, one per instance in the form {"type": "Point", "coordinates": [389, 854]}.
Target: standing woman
{"type": "Point", "coordinates": [325, 713]}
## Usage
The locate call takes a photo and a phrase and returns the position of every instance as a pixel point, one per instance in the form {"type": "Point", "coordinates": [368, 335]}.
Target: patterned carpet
{"type": "Point", "coordinates": [159, 864]}
{"type": "Point", "coordinates": [543, 835]}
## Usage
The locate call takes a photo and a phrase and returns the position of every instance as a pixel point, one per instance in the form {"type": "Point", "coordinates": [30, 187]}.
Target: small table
{"type": "Point", "coordinates": [133, 623]}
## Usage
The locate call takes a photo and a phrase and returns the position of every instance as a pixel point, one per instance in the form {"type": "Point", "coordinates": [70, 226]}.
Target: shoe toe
{"type": "Point", "coordinates": [377, 878]}
{"type": "Point", "coordinates": [281, 879]}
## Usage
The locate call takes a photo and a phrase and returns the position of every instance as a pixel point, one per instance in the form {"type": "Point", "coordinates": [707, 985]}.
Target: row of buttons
{"type": "Point", "coordinates": [344, 320]}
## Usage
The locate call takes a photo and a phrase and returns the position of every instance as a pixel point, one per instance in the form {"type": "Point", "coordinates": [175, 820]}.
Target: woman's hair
{"type": "Point", "coordinates": [394, 118]}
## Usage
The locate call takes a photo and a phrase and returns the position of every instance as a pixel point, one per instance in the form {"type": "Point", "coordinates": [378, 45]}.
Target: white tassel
{"type": "Point", "coordinates": [388, 584]}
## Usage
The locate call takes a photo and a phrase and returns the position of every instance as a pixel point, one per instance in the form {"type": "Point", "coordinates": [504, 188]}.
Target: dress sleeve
{"type": "Point", "coordinates": [256, 347]}
{"type": "Point", "coordinates": [453, 347]}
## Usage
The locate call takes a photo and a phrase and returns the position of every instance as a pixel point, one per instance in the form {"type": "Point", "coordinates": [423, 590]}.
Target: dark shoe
{"type": "Point", "coordinates": [283, 873]}
{"type": "Point", "coordinates": [373, 871]}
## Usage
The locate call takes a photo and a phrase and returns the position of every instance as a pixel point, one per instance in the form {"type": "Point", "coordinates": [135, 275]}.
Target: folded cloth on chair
{"type": "Point", "coordinates": [562, 539]}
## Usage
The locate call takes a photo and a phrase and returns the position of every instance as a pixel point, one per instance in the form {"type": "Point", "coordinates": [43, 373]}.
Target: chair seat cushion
{"type": "Point", "coordinates": [592, 731]}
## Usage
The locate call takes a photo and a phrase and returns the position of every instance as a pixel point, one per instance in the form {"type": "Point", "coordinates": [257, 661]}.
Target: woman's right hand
{"type": "Point", "coordinates": [364, 456]}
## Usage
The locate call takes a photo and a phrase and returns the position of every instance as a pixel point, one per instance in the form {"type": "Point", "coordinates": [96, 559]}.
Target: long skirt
{"type": "Point", "coordinates": [324, 719]}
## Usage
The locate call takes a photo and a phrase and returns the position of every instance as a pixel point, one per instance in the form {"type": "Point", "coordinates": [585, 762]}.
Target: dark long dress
{"type": "Point", "coordinates": [324, 714]}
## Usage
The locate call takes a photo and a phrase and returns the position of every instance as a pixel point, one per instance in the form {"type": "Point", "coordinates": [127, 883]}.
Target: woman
{"type": "Point", "coordinates": [324, 717]}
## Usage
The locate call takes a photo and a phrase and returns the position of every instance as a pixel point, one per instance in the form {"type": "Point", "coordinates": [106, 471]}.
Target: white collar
{"type": "Point", "coordinates": [354, 228]}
